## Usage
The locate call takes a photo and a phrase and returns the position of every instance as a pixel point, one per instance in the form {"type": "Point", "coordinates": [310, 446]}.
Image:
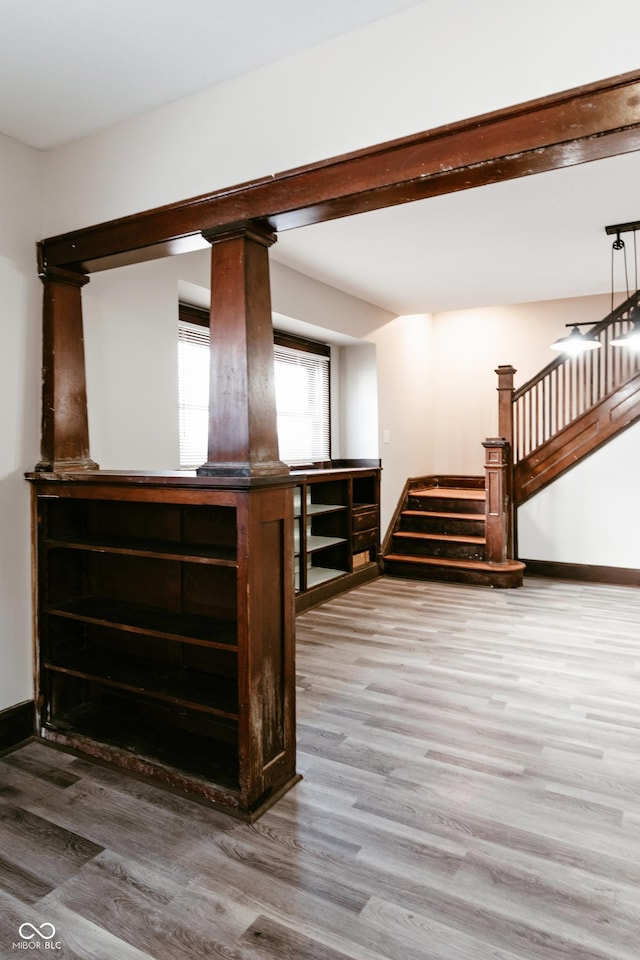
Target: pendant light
{"type": "Point", "coordinates": [576, 342]}
{"type": "Point", "coordinates": [630, 340]}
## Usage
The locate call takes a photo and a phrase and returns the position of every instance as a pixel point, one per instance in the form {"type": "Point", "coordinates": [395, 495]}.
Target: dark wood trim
{"type": "Point", "coordinates": [578, 125]}
{"type": "Point", "coordinates": [623, 576]}
{"type": "Point", "coordinates": [188, 313]}
{"type": "Point", "coordinates": [283, 339]}
{"type": "Point", "coordinates": [361, 463]}
{"type": "Point", "coordinates": [17, 724]}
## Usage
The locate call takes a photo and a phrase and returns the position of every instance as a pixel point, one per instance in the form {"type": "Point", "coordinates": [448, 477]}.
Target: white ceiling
{"type": "Point", "coordinates": [71, 67]}
{"type": "Point", "coordinates": [536, 238]}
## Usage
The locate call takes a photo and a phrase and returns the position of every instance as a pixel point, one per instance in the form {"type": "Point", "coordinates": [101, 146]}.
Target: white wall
{"type": "Point", "coordinates": [358, 411]}
{"type": "Point", "coordinates": [130, 322]}
{"type": "Point", "coordinates": [20, 360]}
{"type": "Point", "coordinates": [316, 303]}
{"type": "Point", "coordinates": [469, 345]}
{"type": "Point", "coordinates": [591, 514]}
{"type": "Point", "coordinates": [407, 404]}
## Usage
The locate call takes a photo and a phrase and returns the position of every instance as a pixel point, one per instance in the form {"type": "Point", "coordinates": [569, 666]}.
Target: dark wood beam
{"type": "Point", "coordinates": [588, 123]}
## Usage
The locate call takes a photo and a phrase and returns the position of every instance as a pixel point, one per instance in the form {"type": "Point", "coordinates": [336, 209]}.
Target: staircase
{"type": "Point", "coordinates": [439, 534]}
{"type": "Point", "coordinates": [462, 529]}
{"type": "Point", "coordinates": [573, 406]}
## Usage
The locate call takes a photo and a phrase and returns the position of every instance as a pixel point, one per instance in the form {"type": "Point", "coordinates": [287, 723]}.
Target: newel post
{"type": "Point", "coordinates": [499, 473]}
{"type": "Point", "coordinates": [505, 402]}
{"type": "Point", "coordinates": [499, 526]}
{"type": "Point", "coordinates": [65, 423]}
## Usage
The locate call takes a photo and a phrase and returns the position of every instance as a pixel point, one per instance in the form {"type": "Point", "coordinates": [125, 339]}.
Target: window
{"type": "Point", "coordinates": [301, 371]}
{"type": "Point", "coordinates": [302, 404]}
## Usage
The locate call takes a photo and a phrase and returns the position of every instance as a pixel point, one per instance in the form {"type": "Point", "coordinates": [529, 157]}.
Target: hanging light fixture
{"type": "Point", "coordinates": [576, 342]}
{"type": "Point", "coordinates": [630, 340]}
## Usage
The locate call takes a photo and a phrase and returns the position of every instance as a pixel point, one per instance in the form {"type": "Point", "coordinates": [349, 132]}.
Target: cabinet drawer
{"type": "Point", "coordinates": [367, 538]}
{"type": "Point", "coordinates": [364, 519]}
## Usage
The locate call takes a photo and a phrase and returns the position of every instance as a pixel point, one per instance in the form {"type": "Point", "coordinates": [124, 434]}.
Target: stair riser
{"type": "Point", "coordinates": [409, 571]}
{"type": "Point", "coordinates": [446, 481]}
{"type": "Point", "coordinates": [446, 504]}
{"type": "Point", "coordinates": [437, 548]}
{"type": "Point", "coordinates": [454, 527]}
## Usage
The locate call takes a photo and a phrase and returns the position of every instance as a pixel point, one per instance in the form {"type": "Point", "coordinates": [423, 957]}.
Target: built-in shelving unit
{"type": "Point", "coordinates": [337, 530]}
{"type": "Point", "coordinates": [158, 631]}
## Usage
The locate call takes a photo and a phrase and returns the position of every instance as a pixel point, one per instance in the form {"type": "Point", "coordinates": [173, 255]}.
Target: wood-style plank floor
{"type": "Point", "coordinates": [471, 791]}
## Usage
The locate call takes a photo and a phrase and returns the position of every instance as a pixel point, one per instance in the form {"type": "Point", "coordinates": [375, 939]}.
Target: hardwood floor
{"type": "Point", "coordinates": [472, 792]}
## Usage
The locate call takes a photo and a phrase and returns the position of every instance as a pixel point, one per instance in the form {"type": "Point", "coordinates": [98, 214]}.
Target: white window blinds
{"type": "Point", "coordinates": [302, 400]}
{"type": "Point", "coordinates": [302, 405]}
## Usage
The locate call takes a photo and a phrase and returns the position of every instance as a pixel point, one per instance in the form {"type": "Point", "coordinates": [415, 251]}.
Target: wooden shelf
{"type": "Point", "coordinates": [113, 734]}
{"type": "Point", "coordinates": [160, 606]}
{"type": "Point", "coordinates": [314, 509]}
{"type": "Point", "coordinates": [338, 517]}
{"type": "Point", "coordinates": [316, 543]}
{"type": "Point", "coordinates": [164, 624]}
{"type": "Point", "coordinates": [189, 688]}
{"type": "Point", "coordinates": [318, 575]}
{"type": "Point", "coordinates": [157, 549]}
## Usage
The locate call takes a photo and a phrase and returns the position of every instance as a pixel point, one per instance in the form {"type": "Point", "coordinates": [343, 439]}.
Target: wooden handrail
{"type": "Point", "coordinates": [571, 385]}
{"type": "Point", "coordinates": [545, 413]}
{"type": "Point", "coordinates": [596, 329]}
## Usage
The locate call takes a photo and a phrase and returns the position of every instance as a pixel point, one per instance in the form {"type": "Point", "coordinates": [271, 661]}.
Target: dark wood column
{"type": "Point", "coordinates": [499, 526]}
{"type": "Point", "coordinates": [65, 424]}
{"type": "Point", "coordinates": [243, 437]}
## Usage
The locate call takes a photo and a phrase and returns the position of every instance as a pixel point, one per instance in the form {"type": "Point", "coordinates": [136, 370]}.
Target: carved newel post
{"type": "Point", "coordinates": [499, 529]}
{"type": "Point", "coordinates": [498, 525]}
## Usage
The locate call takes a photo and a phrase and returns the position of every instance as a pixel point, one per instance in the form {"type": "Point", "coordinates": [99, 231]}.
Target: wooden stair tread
{"type": "Point", "coordinates": [449, 493]}
{"type": "Point", "coordinates": [442, 515]}
{"type": "Point", "coordinates": [450, 537]}
{"type": "Point", "coordinates": [458, 564]}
